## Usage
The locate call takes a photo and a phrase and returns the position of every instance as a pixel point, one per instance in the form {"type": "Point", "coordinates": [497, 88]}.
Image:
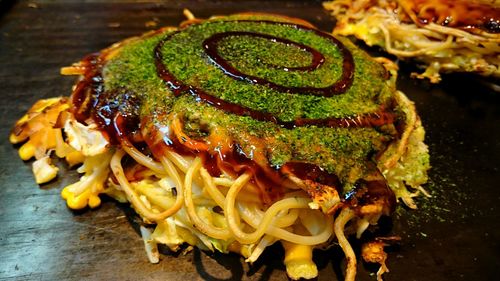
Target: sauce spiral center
{"type": "Point", "coordinates": [210, 47]}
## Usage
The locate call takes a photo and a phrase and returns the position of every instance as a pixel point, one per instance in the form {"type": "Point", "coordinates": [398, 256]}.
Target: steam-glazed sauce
{"type": "Point", "coordinates": [463, 14]}
{"type": "Point", "coordinates": [105, 108]}
{"type": "Point", "coordinates": [88, 88]}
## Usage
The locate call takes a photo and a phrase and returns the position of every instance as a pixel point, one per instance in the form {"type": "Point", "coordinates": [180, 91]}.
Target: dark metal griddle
{"type": "Point", "coordinates": [454, 236]}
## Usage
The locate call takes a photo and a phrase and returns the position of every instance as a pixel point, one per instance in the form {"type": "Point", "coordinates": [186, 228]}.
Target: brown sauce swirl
{"type": "Point", "coordinates": [210, 45]}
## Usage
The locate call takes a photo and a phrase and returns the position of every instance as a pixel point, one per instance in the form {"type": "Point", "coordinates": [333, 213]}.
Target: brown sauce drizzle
{"type": "Point", "coordinates": [462, 14]}
{"type": "Point", "coordinates": [231, 160]}
{"type": "Point", "coordinates": [90, 100]}
{"type": "Point", "coordinates": [88, 87]}
{"type": "Point", "coordinates": [308, 171]}
{"type": "Point", "coordinates": [374, 119]}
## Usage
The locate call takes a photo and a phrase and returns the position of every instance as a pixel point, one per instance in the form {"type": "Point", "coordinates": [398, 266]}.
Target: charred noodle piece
{"type": "Point", "coordinates": [441, 35]}
{"type": "Point", "coordinates": [234, 133]}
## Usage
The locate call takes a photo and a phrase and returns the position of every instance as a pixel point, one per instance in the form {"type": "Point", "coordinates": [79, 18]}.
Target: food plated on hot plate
{"type": "Point", "coordinates": [234, 133]}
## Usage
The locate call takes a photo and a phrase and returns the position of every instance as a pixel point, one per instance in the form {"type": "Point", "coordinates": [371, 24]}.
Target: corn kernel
{"type": "Point", "coordinates": [94, 201]}
{"type": "Point", "coordinates": [66, 194]}
{"type": "Point", "coordinates": [26, 151]}
{"type": "Point", "coordinates": [298, 261]}
{"type": "Point", "coordinates": [297, 252]}
{"type": "Point", "coordinates": [80, 201]}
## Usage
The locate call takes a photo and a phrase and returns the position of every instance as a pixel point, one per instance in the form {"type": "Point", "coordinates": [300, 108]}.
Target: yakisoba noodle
{"type": "Point", "coordinates": [443, 35]}
{"type": "Point", "coordinates": [234, 133]}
